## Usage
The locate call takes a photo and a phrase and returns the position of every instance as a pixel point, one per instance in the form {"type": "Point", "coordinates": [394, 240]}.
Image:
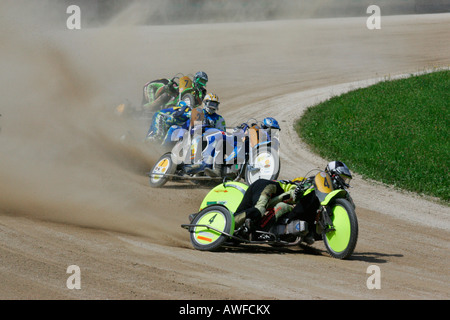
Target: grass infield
{"type": "Point", "coordinates": [395, 132]}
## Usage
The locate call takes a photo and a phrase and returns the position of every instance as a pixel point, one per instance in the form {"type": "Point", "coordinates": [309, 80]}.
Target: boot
{"type": "Point", "coordinates": [239, 219]}
{"type": "Point", "coordinates": [242, 217]}
{"type": "Point", "coordinates": [195, 168]}
{"type": "Point", "coordinates": [309, 239]}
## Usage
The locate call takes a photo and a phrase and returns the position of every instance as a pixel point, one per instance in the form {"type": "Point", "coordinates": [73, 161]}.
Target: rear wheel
{"type": "Point", "coordinates": [265, 165]}
{"type": "Point", "coordinates": [160, 171]}
{"type": "Point", "coordinates": [341, 242]}
{"type": "Point", "coordinates": [189, 99]}
{"type": "Point", "coordinates": [212, 222]}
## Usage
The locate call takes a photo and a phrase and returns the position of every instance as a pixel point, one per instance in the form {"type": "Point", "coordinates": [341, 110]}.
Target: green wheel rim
{"type": "Point", "coordinates": [339, 239]}
{"type": "Point", "coordinates": [205, 236]}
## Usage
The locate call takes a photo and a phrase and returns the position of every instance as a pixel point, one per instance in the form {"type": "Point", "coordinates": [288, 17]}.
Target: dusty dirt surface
{"type": "Point", "coordinates": [72, 193]}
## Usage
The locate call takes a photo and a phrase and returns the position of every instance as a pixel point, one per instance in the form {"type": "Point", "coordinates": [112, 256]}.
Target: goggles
{"type": "Point", "coordinates": [201, 82]}
{"type": "Point", "coordinates": [212, 104]}
{"type": "Point", "coordinates": [345, 179]}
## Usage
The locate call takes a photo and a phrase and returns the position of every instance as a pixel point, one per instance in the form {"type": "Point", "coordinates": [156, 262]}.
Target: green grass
{"type": "Point", "coordinates": [396, 132]}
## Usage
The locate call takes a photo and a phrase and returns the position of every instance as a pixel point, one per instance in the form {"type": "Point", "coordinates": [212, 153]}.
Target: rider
{"type": "Point", "coordinates": [200, 81]}
{"type": "Point", "coordinates": [207, 119]}
{"type": "Point", "coordinates": [170, 90]}
{"type": "Point", "coordinates": [263, 195]}
{"type": "Point", "coordinates": [165, 119]}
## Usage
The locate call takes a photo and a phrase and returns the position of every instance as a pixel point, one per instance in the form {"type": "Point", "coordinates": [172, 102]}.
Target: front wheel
{"type": "Point", "coordinates": [160, 171]}
{"type": "Point", "coordinates": [214, 224]}
{"type": "Point", "coordinates": [341, 242]}
{"type": "Point", "coordinates": [264, 165]}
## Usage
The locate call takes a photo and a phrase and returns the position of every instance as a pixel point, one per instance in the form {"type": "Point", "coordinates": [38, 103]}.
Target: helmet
{"type": "Point", "coordinates": [211, 103]}
{"type": "Point", "coordinates": [182, 104]}
{"type": "Point", "coordinates": [270, 122]}
{"type": "Point", "coordinates": [182, 107]}
{"type": "Point", "coordinates": [338, 170]}
{"type": "Point", "coordinates": [200, 79]}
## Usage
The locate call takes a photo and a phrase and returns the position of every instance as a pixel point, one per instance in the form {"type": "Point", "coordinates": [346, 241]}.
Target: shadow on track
{"type": "Point", "coordinates": [267, 249]}
{"type": "Point", "coordinates": [370, 257]}
{"type": "Point", "coordinates": [373, 257]}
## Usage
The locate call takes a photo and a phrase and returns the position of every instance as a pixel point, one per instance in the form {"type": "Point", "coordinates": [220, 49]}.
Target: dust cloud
{"type": "Point", "coordinates": [60, 157]}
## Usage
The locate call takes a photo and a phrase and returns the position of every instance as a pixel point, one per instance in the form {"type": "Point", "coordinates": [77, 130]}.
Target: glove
{"type": "Point", "coordinates": [298, 191]}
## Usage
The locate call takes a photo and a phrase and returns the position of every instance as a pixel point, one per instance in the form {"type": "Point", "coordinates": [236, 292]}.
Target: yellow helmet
{"type": "Point", "coordinates": [211, 103]}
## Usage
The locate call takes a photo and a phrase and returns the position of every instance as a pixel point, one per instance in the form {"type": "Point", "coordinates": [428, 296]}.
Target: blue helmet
{"type": "Point", "coordinates": [270, 122]}
{"type": "Point", "coordinates": [181, 111]}
{"type": "Point", "coordinates": [182, 104]}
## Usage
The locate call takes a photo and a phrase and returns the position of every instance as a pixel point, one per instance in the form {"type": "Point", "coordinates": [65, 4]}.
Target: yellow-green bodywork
{"type": "Point", "coordinates": [228, 194]}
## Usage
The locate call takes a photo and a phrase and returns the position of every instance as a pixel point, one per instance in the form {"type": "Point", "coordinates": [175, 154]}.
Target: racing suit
{"type": "Point", "coordinates": [263, 194]}
{"type": "Point", "coordinates": [212, 126]}
{"type": "Point", "coordinates": [199, 95]}
{"type": "Point", "coordinates": [214, 121]}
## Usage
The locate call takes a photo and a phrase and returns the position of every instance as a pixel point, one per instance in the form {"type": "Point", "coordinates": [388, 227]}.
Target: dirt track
{"type": "Point", "coordinates": [72, 194]}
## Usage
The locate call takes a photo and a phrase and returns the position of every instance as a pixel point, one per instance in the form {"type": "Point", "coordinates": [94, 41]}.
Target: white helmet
{"type": "Point", "coordinates": [338, 169]}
